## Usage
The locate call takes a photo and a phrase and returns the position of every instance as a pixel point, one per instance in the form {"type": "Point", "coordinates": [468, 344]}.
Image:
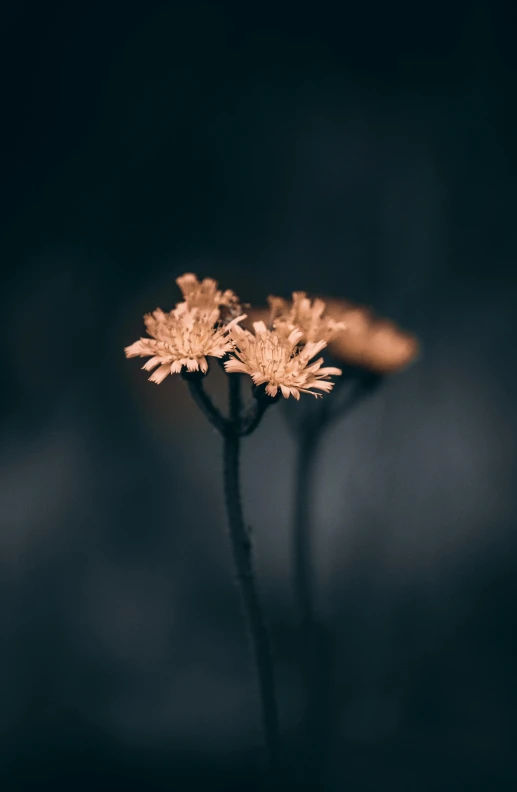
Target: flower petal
{"type": "Point", "coordinates": [138, 349]}
{"type": "Point", "coordinates": [153, 362]}
{"type": "Point", "coordinates": [233, 366]}
{"type": "Point", "coordinates": [160, 373]}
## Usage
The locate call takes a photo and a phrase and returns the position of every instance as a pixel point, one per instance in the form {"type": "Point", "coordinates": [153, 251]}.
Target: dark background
{"type": "Point", "coordinates": [364, 151]}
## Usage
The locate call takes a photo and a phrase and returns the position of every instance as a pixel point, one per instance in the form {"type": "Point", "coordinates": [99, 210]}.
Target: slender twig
{"type": "Point", "coordinates": [363, 386]}
{"type": "Point", "coordinates": [242, 555]}
{"type": "Point", "coordinates": [234, 401]}
{"type": "Point", "coordinates": [194, 380]}
{"type": "Point", "coordinates": [251, 419]}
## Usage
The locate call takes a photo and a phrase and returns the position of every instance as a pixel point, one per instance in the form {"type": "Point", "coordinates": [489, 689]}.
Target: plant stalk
{"type": "Point", "coordinates": [242, 556]}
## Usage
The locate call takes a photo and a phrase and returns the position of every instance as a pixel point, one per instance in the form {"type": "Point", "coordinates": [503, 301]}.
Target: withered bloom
{"type": "Point", "coordinates": [278, 361]}
{"type": "Point", "coordinates": [369, 342]}
{"type": "Point", "coordinates": [304, 314]}
{"type": "Point", "coordinates": [187, 335]}
{"type": "Point", "coordinates": [204, 295]}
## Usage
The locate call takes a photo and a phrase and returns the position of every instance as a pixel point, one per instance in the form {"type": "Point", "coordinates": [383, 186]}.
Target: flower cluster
{"type": "Point", "coordinates": [207, 323]}
{"type": "Point", "coordinates": [187, 335]}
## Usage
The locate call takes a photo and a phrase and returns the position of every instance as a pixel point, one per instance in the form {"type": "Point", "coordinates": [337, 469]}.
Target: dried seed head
{"type": "Point", "coordinates": [187, 335]}
{"type": "Point", "coordinates": [278, 362]}
{"type": "Point", "coordinates": [307, 315]}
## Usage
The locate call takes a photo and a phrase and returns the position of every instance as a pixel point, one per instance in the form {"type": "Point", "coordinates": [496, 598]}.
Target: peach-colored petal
{"type": "Point", "coordinates": [259, 328]}
{"type": "Point", "coordinates": [160, 373]}
{"type": "Point", "coordinates": [153, 362]}
{"type": "Point", "coordinates": [139, 349]}
{"type": "Point", "coordinates": [235, 366]}
{"type": "Point", "coordinates": [330, 371]}
{"type": "Point", "coordinates": [323, 385]}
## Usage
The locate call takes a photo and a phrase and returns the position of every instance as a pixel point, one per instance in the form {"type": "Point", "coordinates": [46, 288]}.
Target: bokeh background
{"type": "Point", "coordinates": [364, 151]}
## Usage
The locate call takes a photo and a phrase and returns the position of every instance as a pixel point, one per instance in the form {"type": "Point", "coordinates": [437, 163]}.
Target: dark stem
{"type": "Point", "coordinates": [234, 399]}
{"type": "Point", "coordinates": [363, 386]}
{"type": "Point", "coordinates": [261, 402]}
{"type": "Point", "coordinates": [242, 555]}
{"type": "Point", "coordinates": [194, 381]}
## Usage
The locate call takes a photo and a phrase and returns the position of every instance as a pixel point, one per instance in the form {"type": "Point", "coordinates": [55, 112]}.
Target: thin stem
{"type": "Point", "coordinates": [261, 402]}
{"type": "Point", "coordinates": [242, 555]}
{"type": "Point", "coordinates": [234, 399]}
{"type": "Point", "coordinates": [194, 381]}
{"type": "Point", "coordinates": [361, 389]}
{"type": "Point", "coordinates": [231, 430]}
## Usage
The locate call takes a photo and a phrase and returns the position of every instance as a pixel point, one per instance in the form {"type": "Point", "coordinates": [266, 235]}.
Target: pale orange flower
{"type": "Point", "coordinates": [204, 295]}
{"type": "Point", "coordinates": [190, 333]}
{"type": "Point", "coordinates": [368, 342]}
{"type": "Point", "coordinates": [302, 313]}
{"type": "Point", "coordinates": [278, 361]}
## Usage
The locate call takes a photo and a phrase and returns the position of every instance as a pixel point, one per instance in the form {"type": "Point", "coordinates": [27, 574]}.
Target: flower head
{"type": "Point", "coordinates": [204, 295]}
{"type": "Point", "coordinates": [370, 343]}
{"type": "Point", "coordinates": [277, 361]}
{"type": "Point", "coordinates": [305, 315]}
{"type": "Point", "coordinates": [186, 336]}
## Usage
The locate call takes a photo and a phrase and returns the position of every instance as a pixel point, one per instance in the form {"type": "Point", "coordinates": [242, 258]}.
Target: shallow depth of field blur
{"type": "Point", "coordinates": [365, 154]}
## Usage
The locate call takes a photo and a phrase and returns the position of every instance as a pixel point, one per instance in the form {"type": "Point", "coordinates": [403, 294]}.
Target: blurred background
{"type": "Point", "coordinates": [364, 151]}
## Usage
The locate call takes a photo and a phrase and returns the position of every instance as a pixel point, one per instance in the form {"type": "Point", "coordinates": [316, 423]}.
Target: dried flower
{"type": "Point", "coordinates": [180, 338]}
{"type": "Point", "coordinates": [276, 361]}
{"type": "Point", "coordinates": [205, 296]}
{"type": "Point", "coordinates": [371, 343]}
{"type": "Point", "coordinates": [304, 314]}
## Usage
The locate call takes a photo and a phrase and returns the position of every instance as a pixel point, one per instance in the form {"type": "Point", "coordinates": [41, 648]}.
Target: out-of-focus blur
{"type": "Point", "coordinates": [367, 154]}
